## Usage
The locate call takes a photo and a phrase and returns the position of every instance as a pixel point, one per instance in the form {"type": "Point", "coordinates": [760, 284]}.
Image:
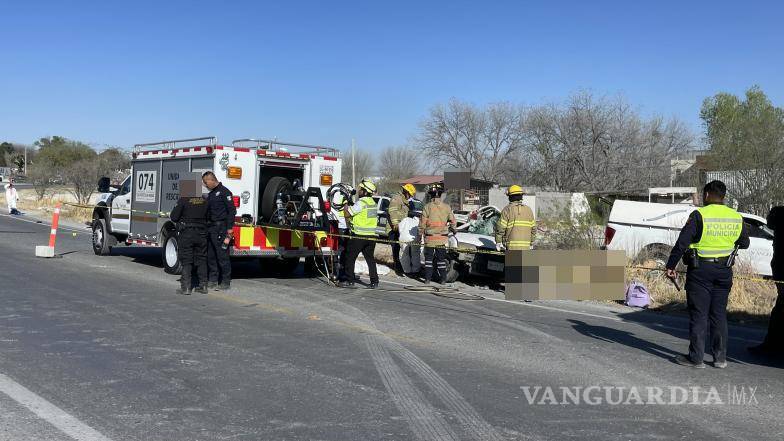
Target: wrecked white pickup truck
{"type": "Point", "coordinates": [475, 231]}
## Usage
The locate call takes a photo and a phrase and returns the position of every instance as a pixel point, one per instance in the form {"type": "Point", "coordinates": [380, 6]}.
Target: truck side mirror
{"type": "Point", "coordinates": [103, 185]}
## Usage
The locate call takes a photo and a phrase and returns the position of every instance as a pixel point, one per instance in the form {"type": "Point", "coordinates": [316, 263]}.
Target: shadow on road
{"type": "Point", "coordinates": [627, 338]}
{"type": "Point", "coordinates": [678, 326]}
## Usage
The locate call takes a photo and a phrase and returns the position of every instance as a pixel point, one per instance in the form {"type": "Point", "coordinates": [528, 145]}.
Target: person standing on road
{"type": "Point", "coordinates": [398, 210]}
{"type": "Point", "coordinates": [712, 235]}
{"type": "Point", "coordinates": [514, 228]}
{"type": "Point", "coordinates": [434, 226]}
{"type": "Point", "coordinates": [336, 217]}
{"type": "Point", "coordinates": [11, 197]}
{"type": "Point", "coordinates": [190, 215]}
{"type": "Point", "coordinates": [363, 219]}
{"type": "Point", "coordinates": [220, 227]}
{"type": "Point", "coordinates": [773, 344]}
{"type": "Point", "coordinates": [411, 259]}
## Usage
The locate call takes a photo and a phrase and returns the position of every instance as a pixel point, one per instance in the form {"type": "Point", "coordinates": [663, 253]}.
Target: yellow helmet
{"type": "Point", "coordinates": [368, 185]}
{"type": "Point", "coordinates": [514, 189]}
{"type": "Point", "coordinates": [410, 189]}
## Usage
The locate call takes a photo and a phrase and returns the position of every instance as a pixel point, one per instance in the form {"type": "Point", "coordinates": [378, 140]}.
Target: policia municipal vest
{"type": "Point", "coordinates": [363, 223]}
{"type": "Point", "coordinates": [721, 227]}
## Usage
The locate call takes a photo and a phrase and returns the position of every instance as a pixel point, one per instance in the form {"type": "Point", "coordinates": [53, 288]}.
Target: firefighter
{"type": "Point", "coordinates": [514, 228]}
{"type": "Point", "coordinates": [434, 226]}
{"type": "Point", "coordinates": [190, 215]}
{"type": "Point", "coordinates": [712, 235]}
{"type": "Point", "coordinates": [220, 227]}
{"type": "Point", "coordinates": [363, 218]}
{"type": "Point", "coordinates": [398, 210]}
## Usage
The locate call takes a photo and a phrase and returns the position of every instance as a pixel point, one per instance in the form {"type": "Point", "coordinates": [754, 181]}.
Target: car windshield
{"type": "Point", "coordinates": [483, 226]}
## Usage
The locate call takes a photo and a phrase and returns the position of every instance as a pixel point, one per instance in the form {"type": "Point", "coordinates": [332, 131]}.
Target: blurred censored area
{"type": "Point", "coordinates": [564, 274]}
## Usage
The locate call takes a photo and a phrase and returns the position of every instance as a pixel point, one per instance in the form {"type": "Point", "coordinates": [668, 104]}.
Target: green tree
{"type": "Point", "coordinates": [746, 138]}
{"type": "Point", "coordinates": [6, 148]}
{"type": "Point", "coordinates": [60, 152]}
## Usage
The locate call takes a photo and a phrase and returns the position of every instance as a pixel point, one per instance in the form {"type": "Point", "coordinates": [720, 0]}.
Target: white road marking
{"type": "Point", "coordinates": [42, 223]}
{"type": "Point", "coordinates": [47, 411]}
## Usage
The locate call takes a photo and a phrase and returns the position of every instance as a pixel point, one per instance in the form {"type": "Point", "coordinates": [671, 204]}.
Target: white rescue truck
{"type": "Point", "coordinates": [648, 230]}
{"type": "Point", "coordinates": [279, 192]}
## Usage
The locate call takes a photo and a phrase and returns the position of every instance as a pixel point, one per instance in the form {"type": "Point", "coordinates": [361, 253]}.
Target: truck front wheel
{"type": "Point", "coordinates": [100, 238]}
{"type": "Point", "coordinates": [169, 254]}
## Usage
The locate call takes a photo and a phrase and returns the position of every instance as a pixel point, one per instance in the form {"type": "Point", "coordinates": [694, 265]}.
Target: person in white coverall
{"type": "Point", "coordinates": [11, 198]}
{"type": "Point", "coordinates": [408, 228]}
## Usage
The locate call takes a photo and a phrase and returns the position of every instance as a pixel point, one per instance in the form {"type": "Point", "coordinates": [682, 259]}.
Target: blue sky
{"type": "Point", "coordinates": [323, 72]}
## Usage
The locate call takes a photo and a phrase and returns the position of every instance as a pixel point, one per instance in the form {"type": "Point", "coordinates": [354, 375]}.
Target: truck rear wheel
{"type": "Point", "coordinates": [100, 238]}
{"type": "Point", "coordinates": [275, 185]}
{"type": "Point", "coordinates": [169, 254]}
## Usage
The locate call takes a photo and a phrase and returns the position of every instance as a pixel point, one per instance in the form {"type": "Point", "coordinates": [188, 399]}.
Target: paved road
{"type": "Point", "coordinates": [96, 348]}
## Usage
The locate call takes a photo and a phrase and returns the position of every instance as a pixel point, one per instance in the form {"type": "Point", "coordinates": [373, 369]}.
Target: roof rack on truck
{"type": "Point", "coordinates": [174, 143]}
{"type": "Point", "coordinates": [273, 145]}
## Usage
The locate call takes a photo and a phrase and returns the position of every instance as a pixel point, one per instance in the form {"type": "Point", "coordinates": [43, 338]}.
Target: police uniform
{"type": "Point", "coordinates": [514, 227]}
{"type": "Point", "coordinates": [363, 217]}
{"type": "Point", "coordinates": [221, 220]}
{"type": "Point", "coordinates": [398, 210]}
{"type": "Point", "coordinates": [712, 232]}
{"type": "Point", "coordinates": [190, 214]}
{"type": "Point", "coordinates": [434, 226]}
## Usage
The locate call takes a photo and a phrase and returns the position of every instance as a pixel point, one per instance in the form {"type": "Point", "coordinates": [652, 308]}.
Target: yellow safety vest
{"type": "Point", "coordinates": [721, 228]}
{"type": "Point", "coordinates": [363, 223]}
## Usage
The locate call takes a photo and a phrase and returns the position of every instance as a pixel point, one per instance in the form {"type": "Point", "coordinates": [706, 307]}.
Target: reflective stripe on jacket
{"type": "Point", "coordinates": [514, 228]}
{"type": "Point", "coordinates": [363, 222]}
{"type": "Point", "coordinates": [435, 220]}
{"type": "Point", "coordinates": [721, 228]}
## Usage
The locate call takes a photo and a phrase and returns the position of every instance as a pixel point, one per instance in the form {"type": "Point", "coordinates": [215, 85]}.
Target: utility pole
{"type": "Point", "coordinates": [353, 165]}
{"type": "Point", "coordinates": [25, 160]}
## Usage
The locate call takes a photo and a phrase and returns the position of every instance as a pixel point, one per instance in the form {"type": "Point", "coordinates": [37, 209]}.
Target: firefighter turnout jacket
{"type": "Point", "coordinates": [515, 226]}
{"type": "Point", "coordinates": [435, 221]}
{"type": "Point", "coordinates": [398, 210]}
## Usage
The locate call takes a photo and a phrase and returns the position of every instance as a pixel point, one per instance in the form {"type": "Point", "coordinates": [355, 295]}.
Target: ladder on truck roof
{"type": "Point", "coordinates": [174, 143]}
{"type": "Point", "coordinates": [273, 145]}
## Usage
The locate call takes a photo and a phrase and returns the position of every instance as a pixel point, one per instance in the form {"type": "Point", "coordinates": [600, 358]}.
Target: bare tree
{"type": "Point", "coordinates": [463, 135]}
{"type": "Point", "coordinates": [592, 143]}
{"type": "Point", "coordinates": [40, 175]}
{"type": "Point", "coordinates": [82, 176]}
{"type": "Point", "coordinates": [397, 163]}
{"type": "Point", "coordinates": [363, 160]}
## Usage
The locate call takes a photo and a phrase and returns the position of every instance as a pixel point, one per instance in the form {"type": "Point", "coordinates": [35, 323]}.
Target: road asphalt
{"type": "Point", "coordinates": [100, 347]}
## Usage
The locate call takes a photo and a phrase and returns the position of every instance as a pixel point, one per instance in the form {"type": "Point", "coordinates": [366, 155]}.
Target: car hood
{"type": "Point", "coordinates": [477, 240]}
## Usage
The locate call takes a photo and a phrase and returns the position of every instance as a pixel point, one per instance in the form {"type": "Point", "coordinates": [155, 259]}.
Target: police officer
{"type": "Point", "coordinates": [773, 345]}
{"type": "Point", "coordinates": [363, 218]}
{"type": "Point", "coordinates": [709, 239]}
{"type": "Point", "coordinates": [220, 228]}
{"type": "Point", "coordinates": [398, 210]}
{"type": "Point", "coordinates": [190, 215]}
{"type": "Point", "coordinates": [513, 230]}
{"type": "Point", "coordinates": [434, 226]}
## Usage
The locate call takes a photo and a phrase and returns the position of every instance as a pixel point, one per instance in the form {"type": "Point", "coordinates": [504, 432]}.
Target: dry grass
{"type": "Point", "coordinates": [28, 202]}
{"type": "Point", "coordinates": [749, 299]}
